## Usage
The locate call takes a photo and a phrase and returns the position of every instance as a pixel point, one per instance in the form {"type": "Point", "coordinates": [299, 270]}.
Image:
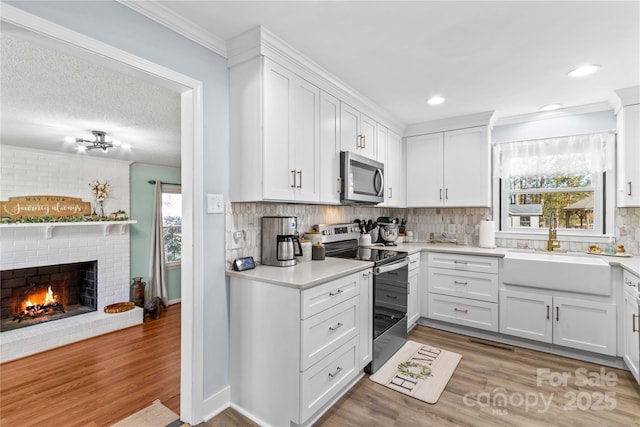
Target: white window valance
{"type": "Point", "coordinates": [565, 155]}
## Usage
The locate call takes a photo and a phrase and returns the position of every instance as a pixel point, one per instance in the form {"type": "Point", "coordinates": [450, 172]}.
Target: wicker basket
{"type": "Point", "coordinates": [119, 307]}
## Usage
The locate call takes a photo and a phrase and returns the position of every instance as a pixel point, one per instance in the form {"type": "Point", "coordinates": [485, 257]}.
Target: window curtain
{"type": "Point", "coordinates": [554, 156]}
{"type": "Point", "coordinates": [157, 267]}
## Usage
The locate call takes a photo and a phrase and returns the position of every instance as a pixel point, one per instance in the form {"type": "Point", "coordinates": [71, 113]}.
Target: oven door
{"type": "Point", "coordinates": [362, 179]}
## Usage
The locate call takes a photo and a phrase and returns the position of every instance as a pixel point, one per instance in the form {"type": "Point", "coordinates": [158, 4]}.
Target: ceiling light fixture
{"type": "Point", "coordinates": [435, 100]}
{"type": "Point", "coordinates": [98, 142]}
{"type": "Point", "coordinates": [550, 107]}
{"type": "Point", "coordinates": [585, 70]}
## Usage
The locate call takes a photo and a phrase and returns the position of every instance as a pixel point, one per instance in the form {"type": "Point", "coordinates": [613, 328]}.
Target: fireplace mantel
{"type": "Point", "coordinates": [48, 227]}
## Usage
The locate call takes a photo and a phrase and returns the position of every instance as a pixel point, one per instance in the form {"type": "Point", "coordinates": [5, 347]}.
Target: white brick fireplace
{"type": "Point", "coordinates": [36, 172]}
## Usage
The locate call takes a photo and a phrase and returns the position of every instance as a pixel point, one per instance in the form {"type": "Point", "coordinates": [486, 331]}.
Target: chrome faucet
{"type": "Point", "coordinates": [552, 242]}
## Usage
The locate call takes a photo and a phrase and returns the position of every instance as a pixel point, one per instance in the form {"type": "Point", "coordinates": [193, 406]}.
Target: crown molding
{"type": "Point", "coordinates": [165, 16]}
{"type": "Point", "coordinates": [562, 112]}
{"type": "Point", "coordinates": [623, 97]}
{"type": "Point", "coordinates": [260, 41]}
{"type": "Point", "coordinates": [485, 118]}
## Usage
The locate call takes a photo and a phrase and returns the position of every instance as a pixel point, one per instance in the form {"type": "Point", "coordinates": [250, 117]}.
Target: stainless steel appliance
{"type": "Point", "coordinates": [280, 242]}
{"type": "Point", "coordinates": [362, 179]}
{"type": "Point", "coordinates": [390, 284]}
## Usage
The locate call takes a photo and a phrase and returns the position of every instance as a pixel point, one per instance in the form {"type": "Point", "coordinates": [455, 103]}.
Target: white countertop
{"type": "Point", "coordinates": [305, 274]}
{"type": "Point", "coordinates": [311, 273]}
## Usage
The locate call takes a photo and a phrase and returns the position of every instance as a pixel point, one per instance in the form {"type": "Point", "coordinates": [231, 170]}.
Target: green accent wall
{"type": "Point", "coordinates": [142, 211]}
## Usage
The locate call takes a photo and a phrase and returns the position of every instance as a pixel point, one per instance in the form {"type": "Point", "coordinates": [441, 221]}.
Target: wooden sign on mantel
{"type": "Point", "coordinates": [42, 206]}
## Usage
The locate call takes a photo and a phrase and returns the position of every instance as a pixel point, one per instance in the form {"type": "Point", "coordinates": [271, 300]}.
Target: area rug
{"type": "Point", "coordinates": [418, 370]}
{"type": "Point", "coordinates": [154, 415]}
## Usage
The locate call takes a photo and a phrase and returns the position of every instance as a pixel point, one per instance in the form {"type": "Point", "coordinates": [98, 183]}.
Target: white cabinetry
{"type": "Point", "coordinates": [571, 322]}
{"type": "Point", "coordinates": [413, 292]}
{"type": "Point", "coordinates": [629, 156]}
{"type": "Point", "coordinates": [274, 132]}
{"type": "Point", "coordinates": [463, 289]}
{"type": "Point", "coordinates": [395, 172]}
{"type": "Point", "coordinates": [357, 132]}
{"type": "Point", "coordinates": [449, 168]}
{"type": "Point", "coordinates": [631, 324]}
{"type": "Point", "coordinates": [329, 149]}
{"type": "Point", "coordinates": [366, 318]}
{"type": "Point", "coordinates": [294, 351]}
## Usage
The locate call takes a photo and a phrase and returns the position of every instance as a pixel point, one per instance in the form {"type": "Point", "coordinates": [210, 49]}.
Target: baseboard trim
{"type": "Point", "coordinates": [217, 403]}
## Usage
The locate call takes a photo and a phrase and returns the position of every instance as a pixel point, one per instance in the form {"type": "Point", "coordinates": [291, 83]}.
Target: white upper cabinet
{"type": "Point", "coordinates": [629, 156]}
{"type": "Point", "coordinates": [450, 168]}
{"type": "Point", "coordinates": [395, 176]}
{"type": "Point", "coordinates": [382, 134]}
{"type": "Point", "coordinates": [357, 132]}
{"type": "Point", "coordinates": [329, 149]}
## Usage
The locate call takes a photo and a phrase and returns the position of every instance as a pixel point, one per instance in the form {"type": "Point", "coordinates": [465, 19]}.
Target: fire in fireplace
{"type": "Point", "coordinates": [41, 294]}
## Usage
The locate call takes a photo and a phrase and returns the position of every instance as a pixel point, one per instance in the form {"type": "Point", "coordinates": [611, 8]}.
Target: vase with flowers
{"type": "Point", "coordinates": [100, 192]}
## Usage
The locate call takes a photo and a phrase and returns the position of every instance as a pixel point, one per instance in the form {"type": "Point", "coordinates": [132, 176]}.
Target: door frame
{"type": "Point", "coordinates": [192, 129]}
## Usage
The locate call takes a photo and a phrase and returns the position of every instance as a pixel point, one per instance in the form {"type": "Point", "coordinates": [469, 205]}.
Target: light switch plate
{"type": "Point", "coordinates": [215, 203]}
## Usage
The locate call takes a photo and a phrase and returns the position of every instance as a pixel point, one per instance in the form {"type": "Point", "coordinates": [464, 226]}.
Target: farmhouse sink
{"type": "Point", "coordinates": [582, 273]}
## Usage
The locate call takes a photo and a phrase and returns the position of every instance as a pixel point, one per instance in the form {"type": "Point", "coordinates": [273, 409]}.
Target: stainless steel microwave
{"type": "Point", "coordinates": [362, 180]}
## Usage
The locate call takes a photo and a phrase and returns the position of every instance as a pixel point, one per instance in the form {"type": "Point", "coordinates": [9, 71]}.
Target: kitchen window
{"type": "Point", "coordinates": [172, 224]}
{"type": "Point", "coordinates": [569, 176]}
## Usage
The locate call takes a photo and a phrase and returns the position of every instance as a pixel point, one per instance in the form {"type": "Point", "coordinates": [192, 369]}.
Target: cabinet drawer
{"type": "Point", "coordinates": [414, 261]}
{"type": "Point", "coordinates": [326, 331]}
{"type": "Point", "coordinates": [631, 283]}
{"type": "Point", "coordinates": [320, 383]}
{"type": "Point", "coordinates": [477, 314]}
{"type": "Point", "coordinates": [321, 297]}
{"type": "Point", "coordinates": [480, 286]}
{"type": "Point", "coordinates": [479, 264]}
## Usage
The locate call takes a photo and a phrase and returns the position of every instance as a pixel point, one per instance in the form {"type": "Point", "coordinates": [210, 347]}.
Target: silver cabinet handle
{"type": "Point", "coordinates": [455, 261]}
{"type": "Point", "coordinates": [336, 372]}
{"type": "Point", "coordinates": [300, 176]}
{"type": "Point", "coordinates": [413, 261]}
{"type": "Point", "coordinates": [441, 194]}
{"type": "Point", "coordinates": [633, 323]}
{"type": "Point", "coordinates": [557, 314]}
{"type": "Point", "coordinates": [293, 172]}
{"type": "Point", "coordinates": [548, 311]}
{"type": "Point", "coordinates": [460, 310]}
{"type": "Point", "coordinates": [629, 188]}
{"type": "Point", "coordinates": [459, 283]}
{"type": "Point", "coordinates": [340, 185]}
{"type": "Point", "coordinates": [338, 292]}
{"type": "Point", "coordinates": [335, 328]}
{"type": "Point", "coordinates": [446, 194]}
{"type": "Point", "coordinates": [390, 193]}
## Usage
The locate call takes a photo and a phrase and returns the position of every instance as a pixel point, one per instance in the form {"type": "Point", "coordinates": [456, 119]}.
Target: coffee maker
{"type": "Point", "coordinates": [280, 242]}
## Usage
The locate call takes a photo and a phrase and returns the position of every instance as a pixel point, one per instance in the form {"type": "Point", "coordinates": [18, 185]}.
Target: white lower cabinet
{"type": "Point", "coordinates": [413, 292]}
{"type": "Point", "coordinates": [463, 289]}
{"type": "Point", "coordinates": [631, 324]}
{"type": "Point", "coordinates": [294, 351]}
{"type": "Point", "coordinates": [570, 322]}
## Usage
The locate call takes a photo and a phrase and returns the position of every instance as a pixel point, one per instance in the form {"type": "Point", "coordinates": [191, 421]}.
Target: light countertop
{"type": "Point", "coordinates": [311, 273]}
{"type": "Point", "coordinates": [304, 274]}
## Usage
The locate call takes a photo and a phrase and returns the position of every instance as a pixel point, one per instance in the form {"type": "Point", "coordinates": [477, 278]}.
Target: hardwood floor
{"type": "Point", "coordinates": [99, 381]}
{"type": "Point", "coordinates": [95, 382]}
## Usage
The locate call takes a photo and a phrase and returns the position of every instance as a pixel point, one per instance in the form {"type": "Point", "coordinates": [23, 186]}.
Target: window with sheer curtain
{"type": "Point", "coordinates": [565, 176]}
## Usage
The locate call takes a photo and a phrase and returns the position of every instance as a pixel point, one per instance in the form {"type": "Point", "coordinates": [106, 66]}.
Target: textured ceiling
{"type": "Point", "coordinates": [47, 94]}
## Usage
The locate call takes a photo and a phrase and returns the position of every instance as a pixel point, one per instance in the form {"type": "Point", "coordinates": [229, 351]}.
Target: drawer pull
{"type": "Point", "coordinates": [336, 372]}
{"type": "Point", "coordinates": [629, 193]}
{"type": "Point", "coordinates": [338, 292]}
{"type": "Point", "coordinates": [413, 261]}
{"type": "Point", "coordinates": [460, 310]}
{"type": "Point", "coordinates": [629, 283]}
{"type": "Point", "coordinates": [459, 283]}
{"type": "Point", "coordinates": [334, 328]}
{"type": "Point", "coordinates": [557, 314]}
{"type": "Point", "coordinates": [633, 323]}
{"type": "Point", "coordinates": [392, 296]}
{"type": "Point", "coordinates": [548, 311]}
{"type": "Point", "coordinates": [456, 261]}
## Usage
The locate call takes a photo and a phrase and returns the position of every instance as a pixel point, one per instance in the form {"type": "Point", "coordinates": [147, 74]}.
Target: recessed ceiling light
{"type": "Point", "coordinates": [550, 107]}
{"type": "Point", "coordinates": [584, 70]}
{"type": "Point", "coordinates": [435, 100]}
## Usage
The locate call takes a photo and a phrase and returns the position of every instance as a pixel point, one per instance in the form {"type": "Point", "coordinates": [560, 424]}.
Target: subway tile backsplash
{"type": "Point", "coordinates": [245, 217]}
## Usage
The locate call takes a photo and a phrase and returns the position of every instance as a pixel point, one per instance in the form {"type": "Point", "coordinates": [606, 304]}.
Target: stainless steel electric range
{"type": "Point", "coordinates": [390, 284]}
